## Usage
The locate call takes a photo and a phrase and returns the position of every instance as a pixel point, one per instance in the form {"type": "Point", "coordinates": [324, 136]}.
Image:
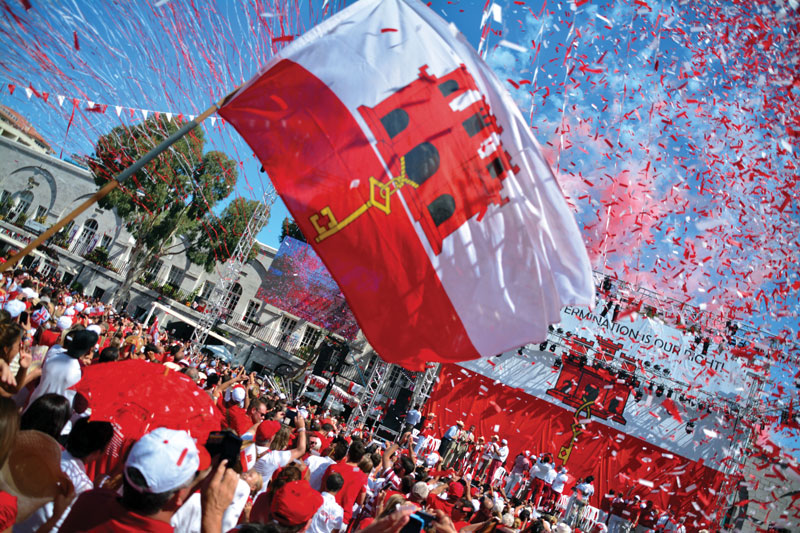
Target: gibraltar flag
{"type": "Point", "coordinates": [416, 179]}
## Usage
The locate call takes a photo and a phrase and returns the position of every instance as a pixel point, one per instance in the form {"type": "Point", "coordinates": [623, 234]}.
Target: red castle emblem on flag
{"type": "Point", "coordinates": [441, 142]}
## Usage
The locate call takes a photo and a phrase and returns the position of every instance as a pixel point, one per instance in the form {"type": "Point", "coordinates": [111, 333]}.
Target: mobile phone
{"type": "Point", "coordinates": [225, 445]}
{"type": "Point", "coordinates": [417, 522]}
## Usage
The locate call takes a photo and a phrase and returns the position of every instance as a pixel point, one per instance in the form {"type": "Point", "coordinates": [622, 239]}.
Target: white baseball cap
{"type": "Point", "coordinates": [504, 441]}
{"type": "Point", "coordinates": [30, 293]}
{"type": "Point", "coordinates": [166, 458]}
{"type": "Point", "coordinates": [79, 307]}
{"type": "Point", "coordinates": [97, 329]}
{"type": "Point", "coordinates": [237, 394]}
{"type": "Point", "coordinates": [64, 322]}
{"type": "Point", "coordinates": [15, 308]}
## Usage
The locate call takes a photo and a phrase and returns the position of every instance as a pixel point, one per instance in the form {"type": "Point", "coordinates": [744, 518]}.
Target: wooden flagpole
{"type": "Point", "coordinates": [111, 185]}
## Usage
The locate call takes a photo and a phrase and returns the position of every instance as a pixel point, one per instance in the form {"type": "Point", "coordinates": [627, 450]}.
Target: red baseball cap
{"type": "Point", "coordinates": [267, 429]}
{"type": "Point", "coordinates": [295, 503]}
{"type": "Point", "coordinates": [455, 490]}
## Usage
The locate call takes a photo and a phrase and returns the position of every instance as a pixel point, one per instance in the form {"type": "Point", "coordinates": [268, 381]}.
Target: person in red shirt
{"type": "Point", "coordinates": [605, 506]}
{"type": "Point", "coordinates": [455, 491]}
{"type": "Point", "coordinates": [238, 419]}
{"type": "Point", "coordinates": [354, 489]}
{"type": "Point", "coordinates": [462, 511]}
{"type": "Point", "coordinates": [631, 512]}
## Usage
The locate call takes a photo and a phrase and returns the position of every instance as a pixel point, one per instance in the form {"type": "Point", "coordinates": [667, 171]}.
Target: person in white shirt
{"type": "Point", "coordinates": [578, 501]}
{"type": "Point", "coordinates": [500, 456]}
{"type": "Point", "coordinates": [329, 518]}
{"type": "Point", "coordinates": [413, 417]}
{"type": "Point", "coordinates": [538, 473]}
{"type": "Point", "coordinates": [521, 465]}
{"type": "Point", "coordinates": [554, 485]}
{"type": "Point", "coordinates": [86, 442]}
{"type": "Point", "coordinates": [188, 518]}
{"type": "Point", "coordinates": [270, 461]}
{"type": "Point", "coordinates": [318, 464]}
{"type": "Point", "coordinates": [61, 368]}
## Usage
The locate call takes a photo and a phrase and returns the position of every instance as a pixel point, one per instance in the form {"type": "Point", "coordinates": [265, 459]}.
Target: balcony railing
{"type": "Point", "coordinates": [289, 342]}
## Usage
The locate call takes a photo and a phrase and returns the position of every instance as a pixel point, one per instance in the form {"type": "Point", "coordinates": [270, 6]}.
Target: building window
{"type": "Point", "coordinates": [310, 337]}
{"type": "Point", "coordinates": [4, 197]}
{"type": "Point", "coordinates": [86, 238]}
{"type": "Point", "coordinates": [232, 298]}
{"type": "Point", "coordinates": [98, 293]}
{"type": "Point", "coordinates": [47, 269]}
{"type": "Point", "coordinates": [288, 324]}
{"type": "Point", "coordinates": [154, 270]}
{"type": "Point", "coordinates": [175, 277]}
{"type": "Point", "coordinates": [251, 314]}
{"type": "Point", "coordinates": [23, 203]}
{"type": "Point", "coordinates": [208, 288]}
{"type": "Point", "coordinates": [106, 242]}
{"type": "Point", "coordinates": [41, 213]}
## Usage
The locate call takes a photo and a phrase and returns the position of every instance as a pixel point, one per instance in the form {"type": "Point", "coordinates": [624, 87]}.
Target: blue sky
{"type": "Point", "coordinates": [669, 124]}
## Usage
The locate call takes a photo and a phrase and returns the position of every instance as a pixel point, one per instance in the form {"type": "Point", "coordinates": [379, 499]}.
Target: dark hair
{"type": "Point", "coordinates": [143, 503]}
{"type": "Point", "coordinates": [175, 348]}
{"type": "Point", "coordinates": [356, 451]}
{"type": "Point", "coordinates": [49, 413]}
{"type": "Point", "coordinates": [261, 528]}
{"type": "Point", "coordinates": [589, 479]}
{"type": "Point", "coordinates": [465, 503]}
{"type": "Point", "coordinates": [376, 459]}
{"type": "Point", "coordinates": [211, 380]}
{"type": "Point", "coordinates": [150, 347]}
{"type": "Point", "coordinates": [88, 437]}
{"type": "Point", "coordinates": [327, 427]}
{"type": "Point", "coordinates": [9, 427]}
{"type": "Point", "coordinates": [334, 483]}
{"type": "Point", "coordinates": [9, 333]}
{"type": "Point", "coordinates": [407, 483]}
{"type": "Point", "coordinates": [109, 354]}
{"type": "Point", "coordinates": [339, 451]}
{"type": "Point", "coordinates": [407, 464]}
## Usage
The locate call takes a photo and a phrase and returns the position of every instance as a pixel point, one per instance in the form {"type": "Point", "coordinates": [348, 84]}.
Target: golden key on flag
{"type": "Point", "coordinates": [386, 191]}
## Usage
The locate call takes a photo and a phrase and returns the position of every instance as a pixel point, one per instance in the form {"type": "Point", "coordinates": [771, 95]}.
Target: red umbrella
{"type": "Point", "coordinates": [139, 396]}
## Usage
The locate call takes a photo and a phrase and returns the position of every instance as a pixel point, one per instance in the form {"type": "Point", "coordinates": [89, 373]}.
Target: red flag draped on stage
{"type": "Point", "coordinates": [415, 177]}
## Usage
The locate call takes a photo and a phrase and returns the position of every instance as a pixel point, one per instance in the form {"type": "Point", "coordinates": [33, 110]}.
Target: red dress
{"type": "Point", "coordinates": [8, 510]}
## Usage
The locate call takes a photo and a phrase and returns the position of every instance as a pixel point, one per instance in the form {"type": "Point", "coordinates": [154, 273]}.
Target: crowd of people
{"type": "Point", "coordinates": [294, 467]}
{"type": "Point", "coordinates": [534, 482]}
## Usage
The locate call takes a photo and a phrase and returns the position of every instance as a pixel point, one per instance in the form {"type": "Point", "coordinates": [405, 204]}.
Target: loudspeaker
{"type": "Point", "coordinates": [396, 414]}
{"type": "Point", "coordinates": [323, 364]}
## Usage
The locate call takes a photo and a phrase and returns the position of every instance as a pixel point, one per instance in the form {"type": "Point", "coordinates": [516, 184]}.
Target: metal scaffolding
{"type": "Point", "coordinates": [366, 400]}
{"type": "Point", "coordinates": [424, 384]}
{"type": "Point", "coordinates": [217, 307]}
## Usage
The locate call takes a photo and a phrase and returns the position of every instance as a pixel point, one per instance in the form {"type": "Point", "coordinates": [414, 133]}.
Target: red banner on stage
{"type": "Point", "coordinates": [617, 460]}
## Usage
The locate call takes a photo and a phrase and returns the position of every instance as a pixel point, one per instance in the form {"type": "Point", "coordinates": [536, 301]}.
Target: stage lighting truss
{"type": "Point", "coordinates": [229, 272]}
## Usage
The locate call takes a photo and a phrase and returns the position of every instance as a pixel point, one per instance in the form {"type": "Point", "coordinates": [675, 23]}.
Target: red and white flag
{"type": "Point", "coordinates": [413, 174]}
{"type": "Point", "coordinates": [153, 331]}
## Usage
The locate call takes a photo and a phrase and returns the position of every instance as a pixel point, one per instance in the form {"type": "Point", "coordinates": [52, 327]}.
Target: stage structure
{"type": "Point", "coordinates": [650, 395]}
{"type": "Point", "coordinates": [423, 386]}
{"type": "Point", "coordinates": [375, 382]}
{"type": "Point", "coordinates": [229, 273]}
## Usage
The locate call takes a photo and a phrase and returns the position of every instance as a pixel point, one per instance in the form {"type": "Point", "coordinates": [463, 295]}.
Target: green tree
{"type": "Point", "coordinates": [291, 229]}
{"type": "Point", "coordinates": [222, 234]}
{"type": "Point", "coordinates": [163, 205]}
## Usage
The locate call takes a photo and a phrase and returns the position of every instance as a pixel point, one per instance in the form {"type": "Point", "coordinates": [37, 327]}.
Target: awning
{"type": "Point", "coordinates": [191, 322]}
